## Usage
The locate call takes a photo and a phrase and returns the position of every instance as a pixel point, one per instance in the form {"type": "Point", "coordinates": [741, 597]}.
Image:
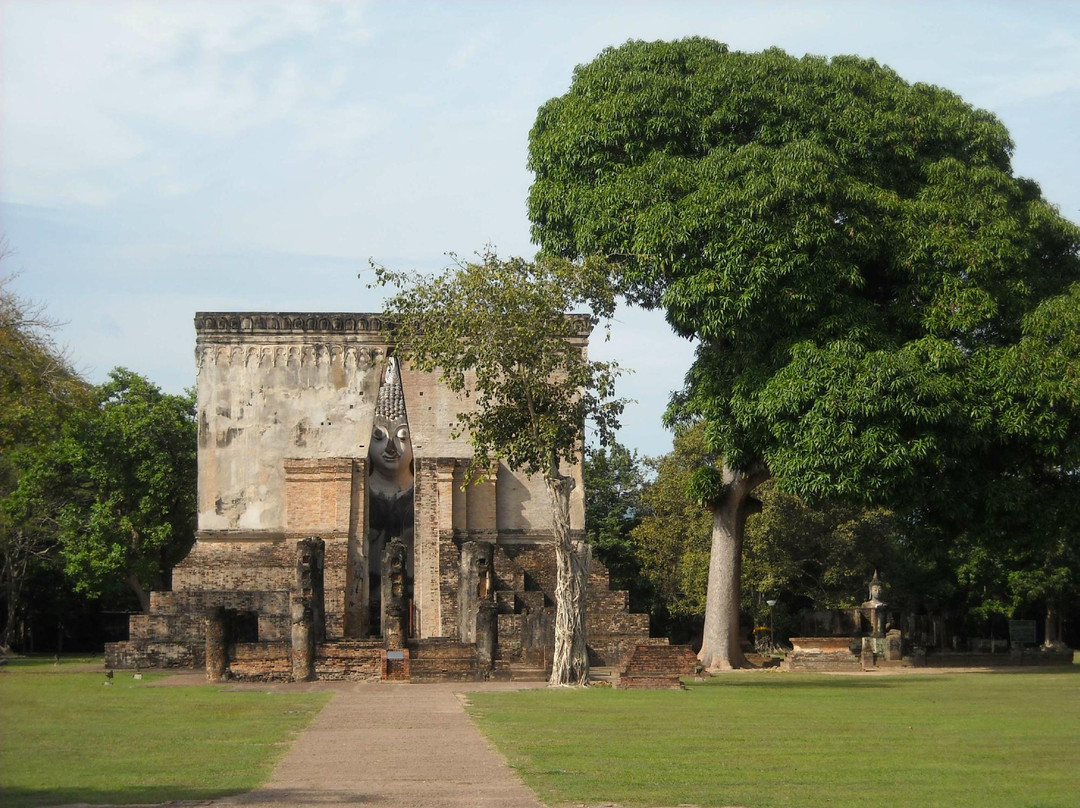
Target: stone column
{"type": "Point", "coordinates": [475, 585]}
{"type": "Point", "coordinates": [306, 609]}
{"type": "Point", "coordinates": [303, 643]}
{"type": "Point", "coordinates": [356, 571]}
{"type": "Point", "coordinates": [395, 594]}
{"type": "Point", "coordinates": [486, 630]}
{"type": "Point", "coordinates": [217, 658]}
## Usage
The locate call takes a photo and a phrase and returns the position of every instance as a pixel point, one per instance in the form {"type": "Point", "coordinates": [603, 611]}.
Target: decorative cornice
{"type": "Point", "coordinates": [211, 323]}
{"type": "Point", "coordinates": [351, 357]}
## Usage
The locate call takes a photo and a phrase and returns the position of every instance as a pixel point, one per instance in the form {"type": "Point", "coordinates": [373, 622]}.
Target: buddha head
{"type": "Point", "coordinates": [390, 452]}
{"type": "Point", "coordinates": [876, 587]}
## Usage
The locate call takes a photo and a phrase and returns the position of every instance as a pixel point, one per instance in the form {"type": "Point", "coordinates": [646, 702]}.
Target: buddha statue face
{"type": "Point", "coordinates": [390, 452]}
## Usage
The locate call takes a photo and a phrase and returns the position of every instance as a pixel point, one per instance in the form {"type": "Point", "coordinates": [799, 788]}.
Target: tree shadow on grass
{"type": "Point", "coordinates": [1045, 670]}
{"type": "Point", "coordinates": [771, 682]}
{"type": "Point", "coordinates": [174, 798]}
{"type": "Point", "coordinates": [19, 797]}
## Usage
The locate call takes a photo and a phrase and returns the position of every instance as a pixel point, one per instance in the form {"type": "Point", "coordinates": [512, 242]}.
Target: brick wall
{"type": "Point", "coordinates": [260, 661]}
{"type": "Point", "coordinates": [242, 564]}
{"type": "Point", "coordinates": [318, 495]}
{"type": "Point", "coordinates": [442, 659]}
{"type": "Point", "coordinates": [657, 665]}
{"type": "Point", "coordinates": [359, 660]}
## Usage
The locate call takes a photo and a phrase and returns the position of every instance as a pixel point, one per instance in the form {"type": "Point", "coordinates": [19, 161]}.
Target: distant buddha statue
{"type": "Point", "coordinates": [874, 609]}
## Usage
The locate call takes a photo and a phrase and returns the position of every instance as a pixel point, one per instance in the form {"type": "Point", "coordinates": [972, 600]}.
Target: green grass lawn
{"type": "Point", "coordinates": [770, 739]}
{"type": "Point", "coordinates": [65, 737]}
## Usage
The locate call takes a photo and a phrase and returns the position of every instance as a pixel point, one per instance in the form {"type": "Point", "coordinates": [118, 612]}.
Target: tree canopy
{"type": "Point", "coordinates": [852, 252]}
{"type": "Point", "coordinates": [38, 390]}
{"type": "Point", "coordinates": [883, 311]}
{"type": "Point", "coordinates": [118, 487]}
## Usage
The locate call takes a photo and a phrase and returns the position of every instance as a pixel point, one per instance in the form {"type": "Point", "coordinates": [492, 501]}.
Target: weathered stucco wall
{"type": "Point", "coordinates": [272, 387]}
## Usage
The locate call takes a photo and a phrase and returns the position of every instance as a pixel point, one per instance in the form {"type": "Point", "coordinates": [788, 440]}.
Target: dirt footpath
{"type": "Point", "coordinates": [400, 745]}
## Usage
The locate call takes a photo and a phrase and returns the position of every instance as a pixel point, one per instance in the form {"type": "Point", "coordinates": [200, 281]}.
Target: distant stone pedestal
{"type": "Point", "coordinates": [893, 646]}
{"type": "Point", "coordinates": [656, 664]}
{"type": "Point", "coordinates": [822, 653]}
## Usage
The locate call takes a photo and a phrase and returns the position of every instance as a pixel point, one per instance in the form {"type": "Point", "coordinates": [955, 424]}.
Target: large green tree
{"type": "Point", "coordinates": [497, 331]}
{"type": "Point", "coordinates": [38, 389]}
{"type": "Point", "coordinates": [858, 264]}
{"type": "Point", "coordinates": [117, 487]}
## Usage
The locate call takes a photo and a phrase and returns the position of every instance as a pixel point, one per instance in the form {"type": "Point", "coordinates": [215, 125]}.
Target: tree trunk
{"type": "Point", "coordinates": [1052, 626]}
{"type": "Point", "coordinates": [570, 663]}
{"type": "Point", "coordinates": [721, 647]}
{"type": "Point", "coordinates": [140, 592]}
{"type": "Point", "coordinates": [16, 563]}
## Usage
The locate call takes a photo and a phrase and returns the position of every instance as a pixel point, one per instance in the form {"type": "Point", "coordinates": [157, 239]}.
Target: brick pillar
{"type": "Point", "coordinates": [426, 487]}
{"type": "Point", "coordinates": [356, 613]}
{"type": "Point", "coordinates": [446, 473]}
{"type": "Point", "coordinates": [319, 501]}
{"type": "Point", "coordinates": [449, 556]}
{"type": "Point", "coordinates": [217, 657]}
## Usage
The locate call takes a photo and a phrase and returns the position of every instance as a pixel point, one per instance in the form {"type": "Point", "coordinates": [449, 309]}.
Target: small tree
{"type": "Point", "coordinates": [497, 331]}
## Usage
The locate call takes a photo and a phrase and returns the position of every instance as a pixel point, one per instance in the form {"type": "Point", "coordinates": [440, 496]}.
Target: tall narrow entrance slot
{"type": "Point", "coordinates": [390, 500]}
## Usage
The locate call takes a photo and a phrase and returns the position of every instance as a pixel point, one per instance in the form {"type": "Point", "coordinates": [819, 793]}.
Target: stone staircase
{"type": "Point", "coordinates": [524, 595]}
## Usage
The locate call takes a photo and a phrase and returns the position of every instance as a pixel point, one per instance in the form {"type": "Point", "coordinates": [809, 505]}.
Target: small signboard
{"type": "Point", "coordinates": [1022, 632]}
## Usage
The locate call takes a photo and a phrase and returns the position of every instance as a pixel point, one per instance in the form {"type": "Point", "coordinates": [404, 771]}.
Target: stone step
{"type": "Point", "coordinates": [519, 672]}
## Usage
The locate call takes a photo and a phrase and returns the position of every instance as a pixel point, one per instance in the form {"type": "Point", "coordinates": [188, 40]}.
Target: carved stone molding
{"type": "Point", "coordinates": [234, 322]}
{"type": "Point", "coordinates": [349, 356]}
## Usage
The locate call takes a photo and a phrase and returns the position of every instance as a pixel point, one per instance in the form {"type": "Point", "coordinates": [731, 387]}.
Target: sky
{"type": "Point", "coordinates": [163, 158]}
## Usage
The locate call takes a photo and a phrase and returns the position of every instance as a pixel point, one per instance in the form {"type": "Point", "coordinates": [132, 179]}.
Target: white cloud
{"type": "Point", "coordinates": [97, 97]}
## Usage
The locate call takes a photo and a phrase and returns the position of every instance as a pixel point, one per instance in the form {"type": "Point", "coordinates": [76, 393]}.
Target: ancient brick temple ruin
{"type": "Point", "coordinates": [336, 535]}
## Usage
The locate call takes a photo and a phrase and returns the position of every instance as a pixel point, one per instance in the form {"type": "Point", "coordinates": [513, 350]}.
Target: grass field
{"type": "Point", "coordinates": [65, 737]}
{"type": "Point", "coordinates": [771, 739]}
